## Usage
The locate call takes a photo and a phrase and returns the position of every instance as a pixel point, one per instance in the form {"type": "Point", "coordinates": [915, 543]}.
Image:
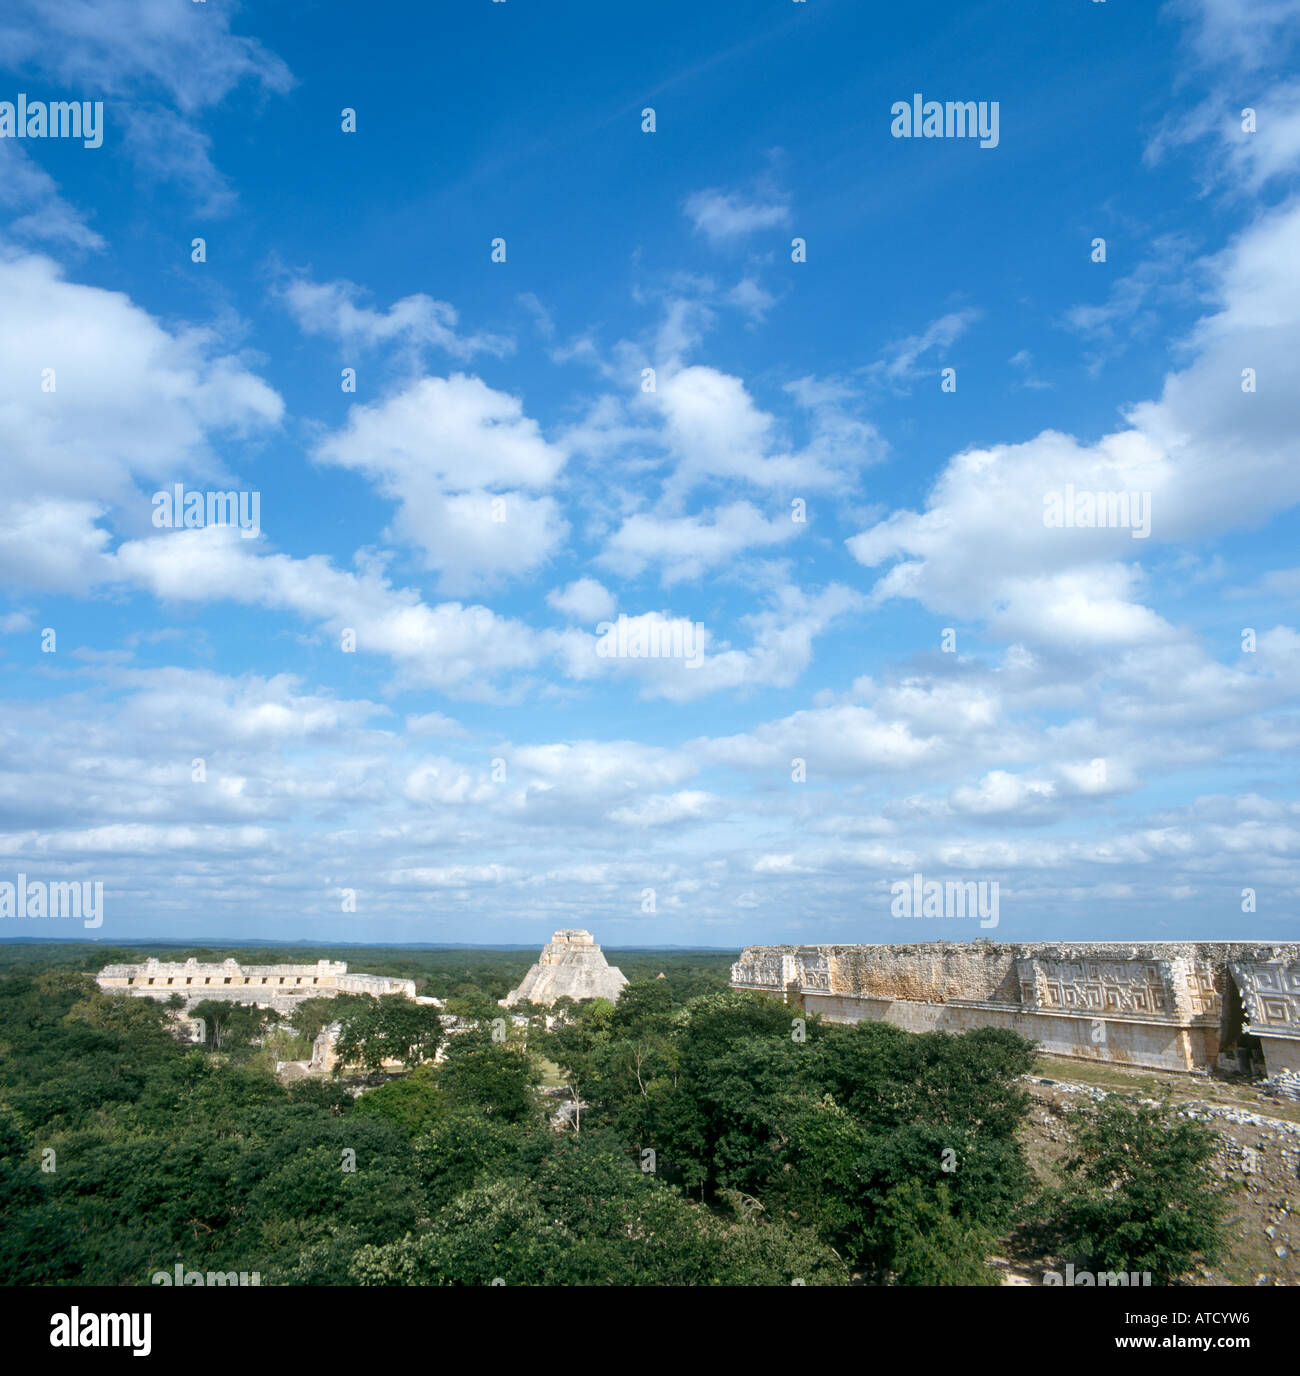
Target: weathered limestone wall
{"type": "Point", "coordinates": [269, 986]}
{"type": "Point", "coordinates": [1270, 996]}
{"type": "Point", "coordinates": [1170, 1005]}
{"type": "Point", "coordinates": [323, 1056]}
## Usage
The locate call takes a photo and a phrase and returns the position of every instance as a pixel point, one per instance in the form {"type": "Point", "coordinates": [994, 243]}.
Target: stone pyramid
{"type": "Point", "coordinates": [571, 964]}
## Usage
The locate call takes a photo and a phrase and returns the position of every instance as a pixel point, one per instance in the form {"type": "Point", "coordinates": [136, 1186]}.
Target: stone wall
{"type": "Point", "coordinates": [1270, 995]}
{"type": "Point", "coordinates": [1170, 1005]}
{"type": "Point", "coordinates": [269, 986]}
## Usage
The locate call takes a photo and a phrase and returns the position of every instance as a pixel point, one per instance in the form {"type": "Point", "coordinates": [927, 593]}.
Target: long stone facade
{"type": "Point", "coordinates": [280, 987]}
{"type": "Point", "coordinates": [571, 965]}
{"type": "Point", "coordinates": [1168, 1005]}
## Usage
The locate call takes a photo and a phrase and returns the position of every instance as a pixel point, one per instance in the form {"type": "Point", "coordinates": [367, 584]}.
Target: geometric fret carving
{"type": "Point", "coordinates": [1270, 992]}
{"type": "Point", "coordinates": [1098, 986]}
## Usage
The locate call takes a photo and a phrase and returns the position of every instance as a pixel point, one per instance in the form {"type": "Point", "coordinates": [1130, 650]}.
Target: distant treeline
{"type": "Point", "coordinates": [440, 973]}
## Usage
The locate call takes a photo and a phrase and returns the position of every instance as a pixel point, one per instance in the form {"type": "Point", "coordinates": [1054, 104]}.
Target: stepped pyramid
{"type": "Point", "coordinates": [570, 964]}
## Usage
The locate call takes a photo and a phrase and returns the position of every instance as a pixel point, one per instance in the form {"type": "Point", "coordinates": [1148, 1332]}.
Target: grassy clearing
{"type": "Point", "coordinates": [1152, 1084]}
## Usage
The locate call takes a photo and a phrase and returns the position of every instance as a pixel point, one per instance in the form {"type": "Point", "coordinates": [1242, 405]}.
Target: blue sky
{"type": "Point", "coordinates": [1093, 737]}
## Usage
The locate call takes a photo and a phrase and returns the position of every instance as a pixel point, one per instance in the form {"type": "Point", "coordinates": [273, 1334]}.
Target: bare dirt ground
{"type": "Point", "coordinates": [1260, 1152]}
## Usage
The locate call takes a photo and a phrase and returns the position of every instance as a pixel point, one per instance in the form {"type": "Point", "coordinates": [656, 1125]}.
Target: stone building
{"type": "Point", "coordinates": [280, 987]}
{"type": "Point", "coordinates": [571, 965]}
{"type": "Point", "coordinates": [323, 1055]}
{"type": "Point", "coordinates": [1168, 1005]}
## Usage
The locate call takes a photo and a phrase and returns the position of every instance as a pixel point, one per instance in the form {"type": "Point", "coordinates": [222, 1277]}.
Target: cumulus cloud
{"type": "Point", "coordinates": [447, 784]}
{"type": "Point", "coordinates": [128, 398]}
{"type": "Point", "coordinates": [461, 649]}
{"type": "Point", "coordinates": [1212, 456]}
{"type": "Point", "coordinates": [603, 768]}
{"type": "Point", "coordinates": [585, 599]}
{"type": "Point", "coordinates": [462, 461]}
{"type": "Point", "coordinates": [680, 660]}
{"type": "Point", "coordinates": [714, 430]}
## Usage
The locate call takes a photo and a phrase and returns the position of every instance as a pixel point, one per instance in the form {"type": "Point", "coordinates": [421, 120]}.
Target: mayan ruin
{"type": "Point", "coordinates": [571, 966]}
{"type": "Point", "coordinates": [1169, 1005]}
{"type": "Point", "coordinates": [280, 987]}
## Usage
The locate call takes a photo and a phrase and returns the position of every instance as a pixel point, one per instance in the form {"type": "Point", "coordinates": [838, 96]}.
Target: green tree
{"type": "Point", "coordinates": [361, 1040]}
{"type": "Point", "coordinates": [496, 1078]}
{"type": "Point", "coordinates": [577, 1045]}
{"type": "Point", "coordinates": [468, 1148]}
{"type": "Point", "coordinates": [233, 1027]}
{"type": "Point", "coordinates": [413, 1031]}
{"type": "Point", "coordinates": [588, 1216]}
{"type": "Point", "coordinates": [742, 1062]}
{"type": "Point", "coordinates": [645, 1008]}
{"type": "Point", "coordinates": [1144, 1193]}
{"type": "Point", "coordinates": [312, 1016]}
{"type": "Point", "coordinates": [930, 1244]}
{"type": "Point", "coordinates": [413, 1103]}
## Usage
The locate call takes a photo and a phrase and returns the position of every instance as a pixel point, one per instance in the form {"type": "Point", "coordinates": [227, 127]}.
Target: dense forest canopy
{"type": "Point", "coordinates": [689, 1134]}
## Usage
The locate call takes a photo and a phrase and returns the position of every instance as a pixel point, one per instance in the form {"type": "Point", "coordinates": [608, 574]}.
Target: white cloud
{"type": "Point", "coordinates": [331, 308]}
{"type": "Point", "coordinates": [667, 809]}
{"type": "Point", "coordinates": [449, 876]}
{"type": "Point", "coordinates": [454, 454]}
{"type": "Point", "coordinates": [131, 399]}
{"type": "Point", "coordinates": [585, 599]}
{"type": "Point", "coordinates": [696, 663]}
{"type": "Point", "coordinates": [1212, 457]}
{"type": "Point", "coordinates": [51, 544]}
{"type": "Point", "coordinates": [458, 648]}
{"type": "Point", "coordinates": [1135, 304]}
{"type": "Point", "coordinates": [904, 363]}
{"type": "Point", "coordinates": [458, 429]}
{"type": "Point", "coordinates": [433, 724]}
{"type": "Point", "coordinates": [116, 46]}
{"type": "Point", "coordinates": [723, 216]}
{"type": "Point", "coordinates": [1244, 34]}
{"type": "Point", "coordinates": [168, 147]}
{"type": "Point", "coordinates": [686, 547]}
{"type": "Point", "coordinates": [831, 741]}
{"type": "Point", "coordinates": [158, 68]}
{"type": "Point", "coordinates": [751, 297]}
{"type": "Point", "coordinates": [447, 783]}
{"type": "Point", "coordinates": [24, 185]}
{"type": "Point", "coordinates": [600, 769]}
{"type": "Point", "coordinates": [141, 839]}
{"type": "Point", "coordinates": [714, 430]}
